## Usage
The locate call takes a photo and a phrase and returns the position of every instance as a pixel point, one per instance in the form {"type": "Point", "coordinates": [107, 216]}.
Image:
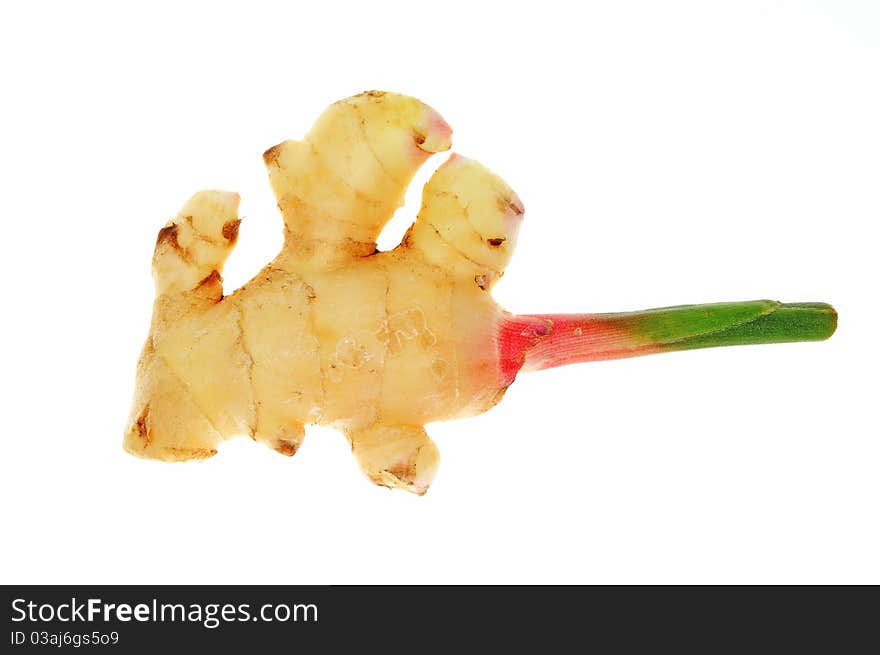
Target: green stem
{"type": "Point", "coordinates": [728, 324]}
{"type": "Point", "coordinates": [548, 340]}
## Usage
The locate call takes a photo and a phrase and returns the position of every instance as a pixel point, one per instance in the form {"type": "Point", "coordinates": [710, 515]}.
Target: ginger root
{"type": "Point", "coordinates": [375, 344]}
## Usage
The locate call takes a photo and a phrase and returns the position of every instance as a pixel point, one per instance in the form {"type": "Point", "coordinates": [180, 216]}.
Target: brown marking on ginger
{"type": "Point", "coordinates": [143, 430]}
{"type": "Point", "coordinates": [169, 234]}
{"type": "Point", "coordinates": [516, 206]}
{"type": "Point", "coordinates": [205, 239]}
{"type": "Point", "coordinates": [496, 398]}
{"type": "Point", "coordinates": [405, 471]}
{"type": "Point", "coordinates": [406, 242]}
{"type": "Point", "coordinates": [211, 279]}
{"type": "Point", "coordinates": [419, 138]}
{"type": "Point", "coordinates": [230, 230]}
{"type": "Point", "coordinates": [374, 94]}
{"type": "Point", "coordinates": [287, 448]}
{"type": "Point", "coordinates": [181, 454]}
{"type": "Point", "coordinates": [482, 282]}
{"type": "Point", "coordinates": [359, 249]}
{"type": "Point", "coordinates": [495, 242]}
{"type": "Point", "coordinates": [272, 154]}
{"type": "Point", "coordinates": [209, 288]}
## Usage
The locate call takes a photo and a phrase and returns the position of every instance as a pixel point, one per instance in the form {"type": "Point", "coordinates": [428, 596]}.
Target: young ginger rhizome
{"type": "Point", "coordinates": [376, 344]}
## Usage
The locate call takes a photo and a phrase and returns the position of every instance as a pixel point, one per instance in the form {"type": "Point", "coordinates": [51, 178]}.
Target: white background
{"type": "Point", "coordinates": [666, 153]}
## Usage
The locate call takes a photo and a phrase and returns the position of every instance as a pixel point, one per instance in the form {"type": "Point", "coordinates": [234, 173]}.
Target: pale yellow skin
{"type": "Point", "coordinates": [332, 332]}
